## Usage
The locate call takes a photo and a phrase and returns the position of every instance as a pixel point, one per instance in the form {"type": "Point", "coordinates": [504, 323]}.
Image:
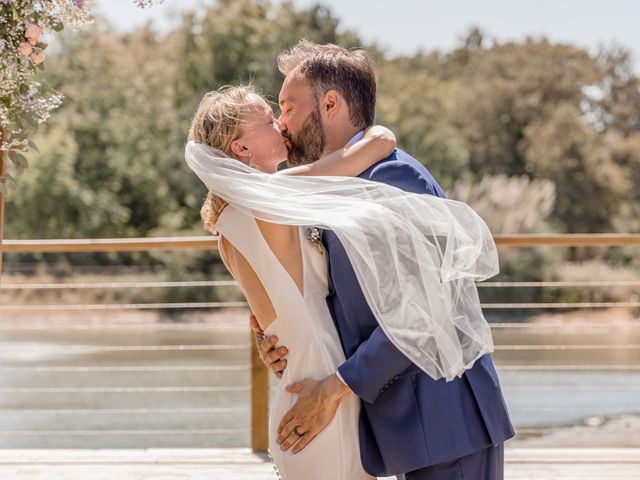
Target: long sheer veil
{"type": "Point", "coordinates": [415, 256]}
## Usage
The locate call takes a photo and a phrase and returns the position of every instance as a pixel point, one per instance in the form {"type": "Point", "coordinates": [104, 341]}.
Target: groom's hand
{"type": "Point", "coordinates": [271, 355]}
{"type": "Point", "coordinates": [315, 408]}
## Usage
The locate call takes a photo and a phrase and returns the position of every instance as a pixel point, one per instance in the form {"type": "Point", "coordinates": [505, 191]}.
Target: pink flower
{"type": "Point", "coordinates": [33, 33]}
{"type": "Point", "coordinates": [80, 4]}
{"type": "Point", "coordinates": [37, 57]}
{"type": "Point", "coordinates": [25, 49]}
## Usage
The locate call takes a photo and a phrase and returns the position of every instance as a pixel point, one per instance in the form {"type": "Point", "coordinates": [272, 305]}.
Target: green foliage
{"type": "Point", "coordinates": [548, 111]}
{"type": "Point", "coordinates": [58, 201]}
{"type": "Point", "coordinates": [25, 100]}
{"type": "Point", "coordinates": [111, 162]}
{"type": "Point", "coordinates": [575, 157]}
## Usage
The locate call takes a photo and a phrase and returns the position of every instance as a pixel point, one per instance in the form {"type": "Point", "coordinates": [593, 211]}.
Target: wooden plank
{"type": "Point", "coordinates": [243, 464]}
{"type": "Point", "coordinates": [573, 455]}
{"type": "Point", "coordinates": [209, 242]}
{"type": "Point", "coordinates": [135, 464]}
{"type": "Point", "coordinates": [138, 464]}
{"type": "Point", "coordinates": [111, 244]}
{"type": "Point", "coordinates": [567, 240]}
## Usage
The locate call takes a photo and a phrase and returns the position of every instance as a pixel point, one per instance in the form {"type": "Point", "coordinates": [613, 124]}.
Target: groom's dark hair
{"type": "Point", "coordinates": [331, 67]}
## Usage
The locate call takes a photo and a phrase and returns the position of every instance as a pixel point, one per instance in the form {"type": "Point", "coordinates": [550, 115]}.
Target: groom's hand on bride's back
{"type": "Point", "coordinates": [270, 353]}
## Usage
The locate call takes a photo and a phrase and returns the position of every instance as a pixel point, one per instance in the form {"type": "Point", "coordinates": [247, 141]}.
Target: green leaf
{"type": "Point", "coordinates": [32, 146]}
{"type": "Point", "coordinates": [19, 160]}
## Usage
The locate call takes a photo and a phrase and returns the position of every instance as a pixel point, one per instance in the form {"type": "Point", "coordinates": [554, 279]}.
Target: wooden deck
{"type": "Point", "coordinates": [242, 464]}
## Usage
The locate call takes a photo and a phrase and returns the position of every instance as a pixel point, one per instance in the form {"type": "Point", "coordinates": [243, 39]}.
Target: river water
{"type": "Point", "coordinates": [160, 400]}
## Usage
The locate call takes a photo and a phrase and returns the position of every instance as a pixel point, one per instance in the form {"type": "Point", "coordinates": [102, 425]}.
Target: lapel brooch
{"type": "Point", "coordinates": [313, 236]}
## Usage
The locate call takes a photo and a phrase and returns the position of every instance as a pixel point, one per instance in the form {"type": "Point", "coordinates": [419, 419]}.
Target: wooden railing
{"type": "Point", "coordinates": [208, 242]}
{"type": "Point", "coordinates": [259, 374]}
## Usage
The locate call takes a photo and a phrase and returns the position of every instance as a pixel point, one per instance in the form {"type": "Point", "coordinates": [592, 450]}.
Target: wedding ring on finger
{"type": "Point", "coordinates": [297, 432]}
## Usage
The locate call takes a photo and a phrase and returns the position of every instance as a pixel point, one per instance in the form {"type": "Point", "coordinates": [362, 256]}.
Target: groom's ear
{"type": "Point", "coordinates": [332, 103]}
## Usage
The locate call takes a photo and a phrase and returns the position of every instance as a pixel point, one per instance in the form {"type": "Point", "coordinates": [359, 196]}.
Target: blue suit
{"type": "Point", "coordinates": [408, 421]}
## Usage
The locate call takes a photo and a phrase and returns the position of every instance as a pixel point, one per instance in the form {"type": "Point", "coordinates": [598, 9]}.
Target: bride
{"type": "Point", "coordinates": [399, 243]}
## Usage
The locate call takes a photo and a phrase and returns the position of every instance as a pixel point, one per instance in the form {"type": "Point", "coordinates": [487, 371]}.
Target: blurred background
{"type": "Point", "coordinates": [530, 113]}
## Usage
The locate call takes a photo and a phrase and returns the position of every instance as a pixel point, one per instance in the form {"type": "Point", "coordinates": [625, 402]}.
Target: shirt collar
{"type": "Point", "coordinates": [355, 138]}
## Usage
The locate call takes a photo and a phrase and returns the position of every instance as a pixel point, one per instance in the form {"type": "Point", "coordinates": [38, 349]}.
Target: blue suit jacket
{"type": "Point", "coordinates": [408, 420]}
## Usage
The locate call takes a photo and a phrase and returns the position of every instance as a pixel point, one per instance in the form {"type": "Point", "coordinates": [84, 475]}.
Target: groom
{"type": "Point", "coordinates": [410, 425]}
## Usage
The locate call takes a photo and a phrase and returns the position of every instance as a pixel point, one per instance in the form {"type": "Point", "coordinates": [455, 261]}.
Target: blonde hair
{"type": "Point", "coordinates": [217, 123]}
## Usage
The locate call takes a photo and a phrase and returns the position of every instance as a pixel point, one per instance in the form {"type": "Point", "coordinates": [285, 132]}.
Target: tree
{"type": "Point", "coordinates": [120, 117]}
{"type": "Point", "coordinates": [129, 102]}
{"type": "Point", "coordinates": [420, 108]}
{"type": "Point", "coordinates": [616, 102]}
{"type": "Point", "coordinates": [590, 185]}
{"type": "Point", "coordinates": [550, 112]}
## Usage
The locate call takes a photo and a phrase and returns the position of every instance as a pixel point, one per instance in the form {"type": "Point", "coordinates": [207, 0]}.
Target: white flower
{"type": "Point", "coordinates": [21, 35]}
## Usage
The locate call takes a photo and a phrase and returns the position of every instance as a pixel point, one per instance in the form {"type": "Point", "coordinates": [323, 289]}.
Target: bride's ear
{"type": "Point", "coordinates": [239, 151]}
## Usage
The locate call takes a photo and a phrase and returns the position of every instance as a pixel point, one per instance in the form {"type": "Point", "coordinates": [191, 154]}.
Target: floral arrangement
{"type": "Point", "coordinates": [146, 3]}
{"type": "Point", "coordinates": [25, 101]}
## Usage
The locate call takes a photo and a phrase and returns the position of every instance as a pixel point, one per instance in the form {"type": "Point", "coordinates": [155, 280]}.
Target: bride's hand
{"type": "Point", "coordinates": [270, 354]}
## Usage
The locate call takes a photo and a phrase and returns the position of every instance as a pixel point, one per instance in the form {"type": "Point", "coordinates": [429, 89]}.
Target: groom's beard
{"type": "Point", "coordinates": [307, 147]}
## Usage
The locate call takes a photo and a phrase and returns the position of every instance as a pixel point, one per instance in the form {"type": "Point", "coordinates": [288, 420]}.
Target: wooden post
{"type": "Point", "coordinates": [2, 167]}
{"type": "Point", "coordinates": [259, 401]}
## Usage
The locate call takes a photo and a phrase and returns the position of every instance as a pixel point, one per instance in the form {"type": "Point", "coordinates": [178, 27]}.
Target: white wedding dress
{"type": "Point", "coordinates": [304, 325]}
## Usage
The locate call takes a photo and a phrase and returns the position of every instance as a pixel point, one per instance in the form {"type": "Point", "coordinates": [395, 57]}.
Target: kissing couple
{"type": "Point", "coordinates": [360, 275]}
